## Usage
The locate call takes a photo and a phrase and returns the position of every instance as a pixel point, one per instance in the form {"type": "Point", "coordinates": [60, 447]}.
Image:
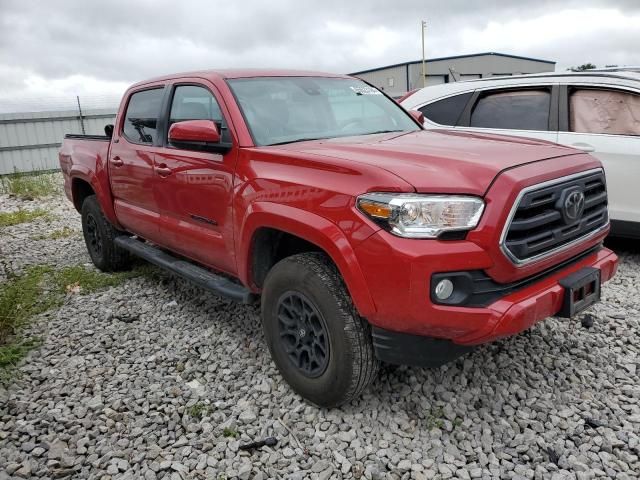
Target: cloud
{"type": "Point", "coordinates": [70, 47]}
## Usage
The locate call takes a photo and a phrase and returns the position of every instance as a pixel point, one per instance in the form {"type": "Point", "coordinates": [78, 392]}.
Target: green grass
{"type": "Point", "coordinates": [90, 280]}
{"type": "Point", "coordinates": [198, 410]}
{"type": "Point", "coordinates": [230, 432]}
{"type": "Point", "coordinates": [21, 298]}
{"type": "Point", "coordinates": [435, 418]}
{"type": "Point", "coordinates": [37, 290]}
{"type": "Point", "coordinates": [29, 185]}
{"type": "Point", "coordinates": [64, 232]}
{"type": "Point", "coordinates": [20, 216]}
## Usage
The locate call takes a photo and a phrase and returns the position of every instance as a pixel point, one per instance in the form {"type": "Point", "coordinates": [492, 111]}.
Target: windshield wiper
{"type": "Point", "coordinates": [298, 140]}
{"type": "Point", "coordinates": [382, 131]}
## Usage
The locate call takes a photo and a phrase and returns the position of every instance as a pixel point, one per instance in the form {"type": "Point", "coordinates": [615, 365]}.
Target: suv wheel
{"type": "Point", "coordinates": [99, 235]}
{"type": "Point", "coordinates": [319, 343]}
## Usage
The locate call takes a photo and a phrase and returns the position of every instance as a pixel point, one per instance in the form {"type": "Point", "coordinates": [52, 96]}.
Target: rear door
{"type": "Point", "coordinates": [193, 189]}
{"type": "Point", "coordinates": [605, 121]}
{"type": "Point", "coordinates": [523, 111]}
{"type": "Point", "coordinates": [134, 144]}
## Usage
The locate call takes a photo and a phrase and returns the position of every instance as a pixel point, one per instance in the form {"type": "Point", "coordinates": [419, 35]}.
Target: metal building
{"type": "Point", "coordinates": [30, 141]}
{"type": "Point", "coordinates": [400, 78]}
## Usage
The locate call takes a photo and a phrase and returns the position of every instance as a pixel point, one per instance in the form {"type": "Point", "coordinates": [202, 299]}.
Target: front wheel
{"type": "Point", "coordinates": [99, 237]}
{"type": "Point", "coordinates": [318, 341]}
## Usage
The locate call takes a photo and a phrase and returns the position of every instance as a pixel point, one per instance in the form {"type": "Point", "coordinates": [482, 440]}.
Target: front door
{"type": "Point", "coordinates": [193, 189]}
{"type": "Point", "coordinates": [133, 147]}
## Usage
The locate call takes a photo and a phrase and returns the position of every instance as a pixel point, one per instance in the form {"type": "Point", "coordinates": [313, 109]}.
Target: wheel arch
{"type": "Point", "coordinates": [266, 225]}
{"type": "Point", "coordinates": [84, 183]}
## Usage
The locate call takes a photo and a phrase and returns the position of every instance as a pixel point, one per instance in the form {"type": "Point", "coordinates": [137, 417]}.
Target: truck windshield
{"type": "Point", "coordinates": [282, 110]}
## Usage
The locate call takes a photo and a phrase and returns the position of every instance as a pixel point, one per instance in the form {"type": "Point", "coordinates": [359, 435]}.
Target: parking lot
{"type": "Point", "coordinates": [153, 378]}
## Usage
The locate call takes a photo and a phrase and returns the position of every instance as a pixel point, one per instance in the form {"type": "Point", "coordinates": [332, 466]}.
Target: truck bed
{"type": "Point", "coordinates": [81, 156]}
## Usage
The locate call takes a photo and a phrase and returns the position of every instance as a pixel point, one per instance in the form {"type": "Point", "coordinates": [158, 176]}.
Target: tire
{"type": "Point", "coordinates": [99, 237]}
{"type": "Point", "coordinates": [303, 297]}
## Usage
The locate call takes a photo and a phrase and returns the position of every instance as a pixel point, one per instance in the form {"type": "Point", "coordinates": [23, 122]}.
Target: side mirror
{"type": "Point", "coordinates": [197, 135]}
{"type": "Point", "coordinates": [108, 130]}
{"type": "Point", "coordinates": [417, 115]}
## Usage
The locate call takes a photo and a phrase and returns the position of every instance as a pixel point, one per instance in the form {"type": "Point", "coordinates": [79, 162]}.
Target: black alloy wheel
{"type": "Point", "coordinates": [303, 332]}
{"type": "Point", "coordinates": [94, 241]}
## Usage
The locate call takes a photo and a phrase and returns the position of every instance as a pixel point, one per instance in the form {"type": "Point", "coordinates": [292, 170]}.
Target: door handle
{"type": "Point", "coordinates": [117, 161]}
{"type": "Point", "coordinates": [585, 147]}
{"type": "Point", "coordinates": [163, 171]}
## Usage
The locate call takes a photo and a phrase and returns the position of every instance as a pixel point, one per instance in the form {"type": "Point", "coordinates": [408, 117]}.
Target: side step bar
{"type": "Point", "coordinates": [198, 275]}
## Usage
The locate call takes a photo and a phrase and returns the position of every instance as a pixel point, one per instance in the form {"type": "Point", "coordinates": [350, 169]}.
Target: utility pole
{"type": "Point", "coordinates": [424, 67]}
{"type": "Point", "coordinates": [80, 112]}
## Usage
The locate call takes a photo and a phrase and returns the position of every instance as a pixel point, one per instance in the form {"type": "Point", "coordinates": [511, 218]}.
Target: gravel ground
{"type": "Point", "coordinates": [155, 378]}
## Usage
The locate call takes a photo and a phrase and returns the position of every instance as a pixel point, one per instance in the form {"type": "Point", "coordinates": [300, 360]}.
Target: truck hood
{"type": "Point", "coordinates": [437, 161]}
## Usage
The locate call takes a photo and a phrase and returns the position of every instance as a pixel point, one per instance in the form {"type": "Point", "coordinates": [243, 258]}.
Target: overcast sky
{"type": "Point", "coordinates": [95, 49]}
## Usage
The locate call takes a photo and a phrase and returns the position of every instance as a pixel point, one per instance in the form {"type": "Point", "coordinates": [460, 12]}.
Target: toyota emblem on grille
{"type": "Point", "coordinates": [574, 205]}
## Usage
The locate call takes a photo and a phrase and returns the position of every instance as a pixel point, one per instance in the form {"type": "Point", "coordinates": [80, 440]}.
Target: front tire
{"type": "Point", "coordinates": [320, 344]}
{"type": "Point", "coordinates": [99, 237]}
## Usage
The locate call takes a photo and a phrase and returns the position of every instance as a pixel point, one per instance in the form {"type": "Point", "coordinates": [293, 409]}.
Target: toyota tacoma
{"type": "Point", "coordinates": [366, 238]}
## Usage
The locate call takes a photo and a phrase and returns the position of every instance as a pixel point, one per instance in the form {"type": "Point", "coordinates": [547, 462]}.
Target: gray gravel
{"type": "Point", "coordinates": [115, 390]}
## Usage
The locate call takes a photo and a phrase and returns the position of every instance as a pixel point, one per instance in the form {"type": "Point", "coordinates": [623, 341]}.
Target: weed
{"type": "Point", "coordinates": [20, 216]}
{"type": "Point", "coordinates": [435, 418]}
{"type": "Point", "coordinates": [230, 432]}
{"type": "Point", "coordinates": [198, 410]}
{"type": "Point", "coordinates": [21, 298]}
{"type": "Point", "coordinates": [63, 232]}
{"type": "Point", "coordinates": [80, 279]}
{"type": "Point", "coordinates": [12, 353]}
{"type": "Point", "coordinates": [87, 280]}
{"type": "Point", "coordinates": [29, 185]}
{"type": "Point", "coordinates": [37, 290]}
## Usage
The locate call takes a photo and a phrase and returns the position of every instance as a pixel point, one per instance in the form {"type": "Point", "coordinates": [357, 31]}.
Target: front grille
{"type": "Point", "coordinates": [548, 217]}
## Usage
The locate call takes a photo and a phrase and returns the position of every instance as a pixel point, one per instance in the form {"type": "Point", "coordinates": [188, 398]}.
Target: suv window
{"type": "Point", "coordinates": [446, 111]}
{"type": "Point", "coordinates": [513, 109]}
{"type": "Point", "coordinates": [141, 118]}
{"type": "Point", "coordinates": [191, 102]}
{"type": "Point", "coordinates": [612, 112]}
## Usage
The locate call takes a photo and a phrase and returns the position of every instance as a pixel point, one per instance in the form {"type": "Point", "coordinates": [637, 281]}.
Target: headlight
{"type": "Point", "coordinates": [421, 216]}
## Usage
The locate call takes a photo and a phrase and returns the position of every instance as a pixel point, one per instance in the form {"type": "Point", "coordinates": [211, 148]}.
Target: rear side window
{"type": "Point", "coordinates": [612, 112]}
{"type": "Point", "coordinates": [191, 102]}
{"type": "Point", "coordinates": [448, 110]}
{"type": "Point", "coordinates": [513, 109]}
{"type": "Point", "coordinates": [141, 119]}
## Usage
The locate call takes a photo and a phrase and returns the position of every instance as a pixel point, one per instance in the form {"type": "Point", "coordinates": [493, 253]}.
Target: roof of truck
{"type": "Point", "coordinates": [242, 73]}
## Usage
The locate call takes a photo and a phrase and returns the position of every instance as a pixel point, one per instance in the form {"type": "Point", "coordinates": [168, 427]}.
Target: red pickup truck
{"type": "Point", "coordinates": [366, 238]}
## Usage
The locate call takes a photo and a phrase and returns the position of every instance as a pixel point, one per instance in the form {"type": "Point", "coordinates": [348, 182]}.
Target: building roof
{"type": "Point", "coordinates": [453, 58]}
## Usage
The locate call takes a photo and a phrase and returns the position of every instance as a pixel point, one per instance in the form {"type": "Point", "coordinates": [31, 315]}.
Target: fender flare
{"type": "Point", "coordinates": [314, 229]}
{"type": "Point", "coordinates": [81, 172]}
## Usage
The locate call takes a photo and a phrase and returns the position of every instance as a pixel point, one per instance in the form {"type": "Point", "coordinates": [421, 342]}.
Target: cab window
{"type": "Point", "coordinates": [191, 102]}
{"type": "Point", "coordinates": [141, 117]}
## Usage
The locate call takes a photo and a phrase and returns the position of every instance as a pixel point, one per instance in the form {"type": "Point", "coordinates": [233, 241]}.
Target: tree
{"type": "Point", "coordinates": [582, 68]}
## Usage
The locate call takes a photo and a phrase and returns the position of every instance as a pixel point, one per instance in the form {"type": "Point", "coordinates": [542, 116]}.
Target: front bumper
{"type": "Point", "coordinates": [399, 278]}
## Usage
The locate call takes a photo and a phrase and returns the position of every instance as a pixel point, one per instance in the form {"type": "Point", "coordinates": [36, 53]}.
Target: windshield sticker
{"type": "Point", "coordinates": [366, 90]}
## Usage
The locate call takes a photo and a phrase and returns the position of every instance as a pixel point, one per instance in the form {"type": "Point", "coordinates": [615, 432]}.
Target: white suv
{"type": "Point", "coordinates": [594, 111]}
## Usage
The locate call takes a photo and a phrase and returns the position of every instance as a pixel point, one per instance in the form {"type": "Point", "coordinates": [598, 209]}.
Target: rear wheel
{"type": "Point", "coordinates": [317, 339]}
{"type": "Point", "coordinates": [99, 237]}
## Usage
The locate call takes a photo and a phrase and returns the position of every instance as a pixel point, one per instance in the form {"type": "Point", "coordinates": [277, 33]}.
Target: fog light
{"type": "Point", "coordinates": [444, 289]}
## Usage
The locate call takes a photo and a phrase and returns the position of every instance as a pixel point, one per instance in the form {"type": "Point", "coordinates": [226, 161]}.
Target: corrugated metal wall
{"type": "Point", "coordinates": [30, 141]}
